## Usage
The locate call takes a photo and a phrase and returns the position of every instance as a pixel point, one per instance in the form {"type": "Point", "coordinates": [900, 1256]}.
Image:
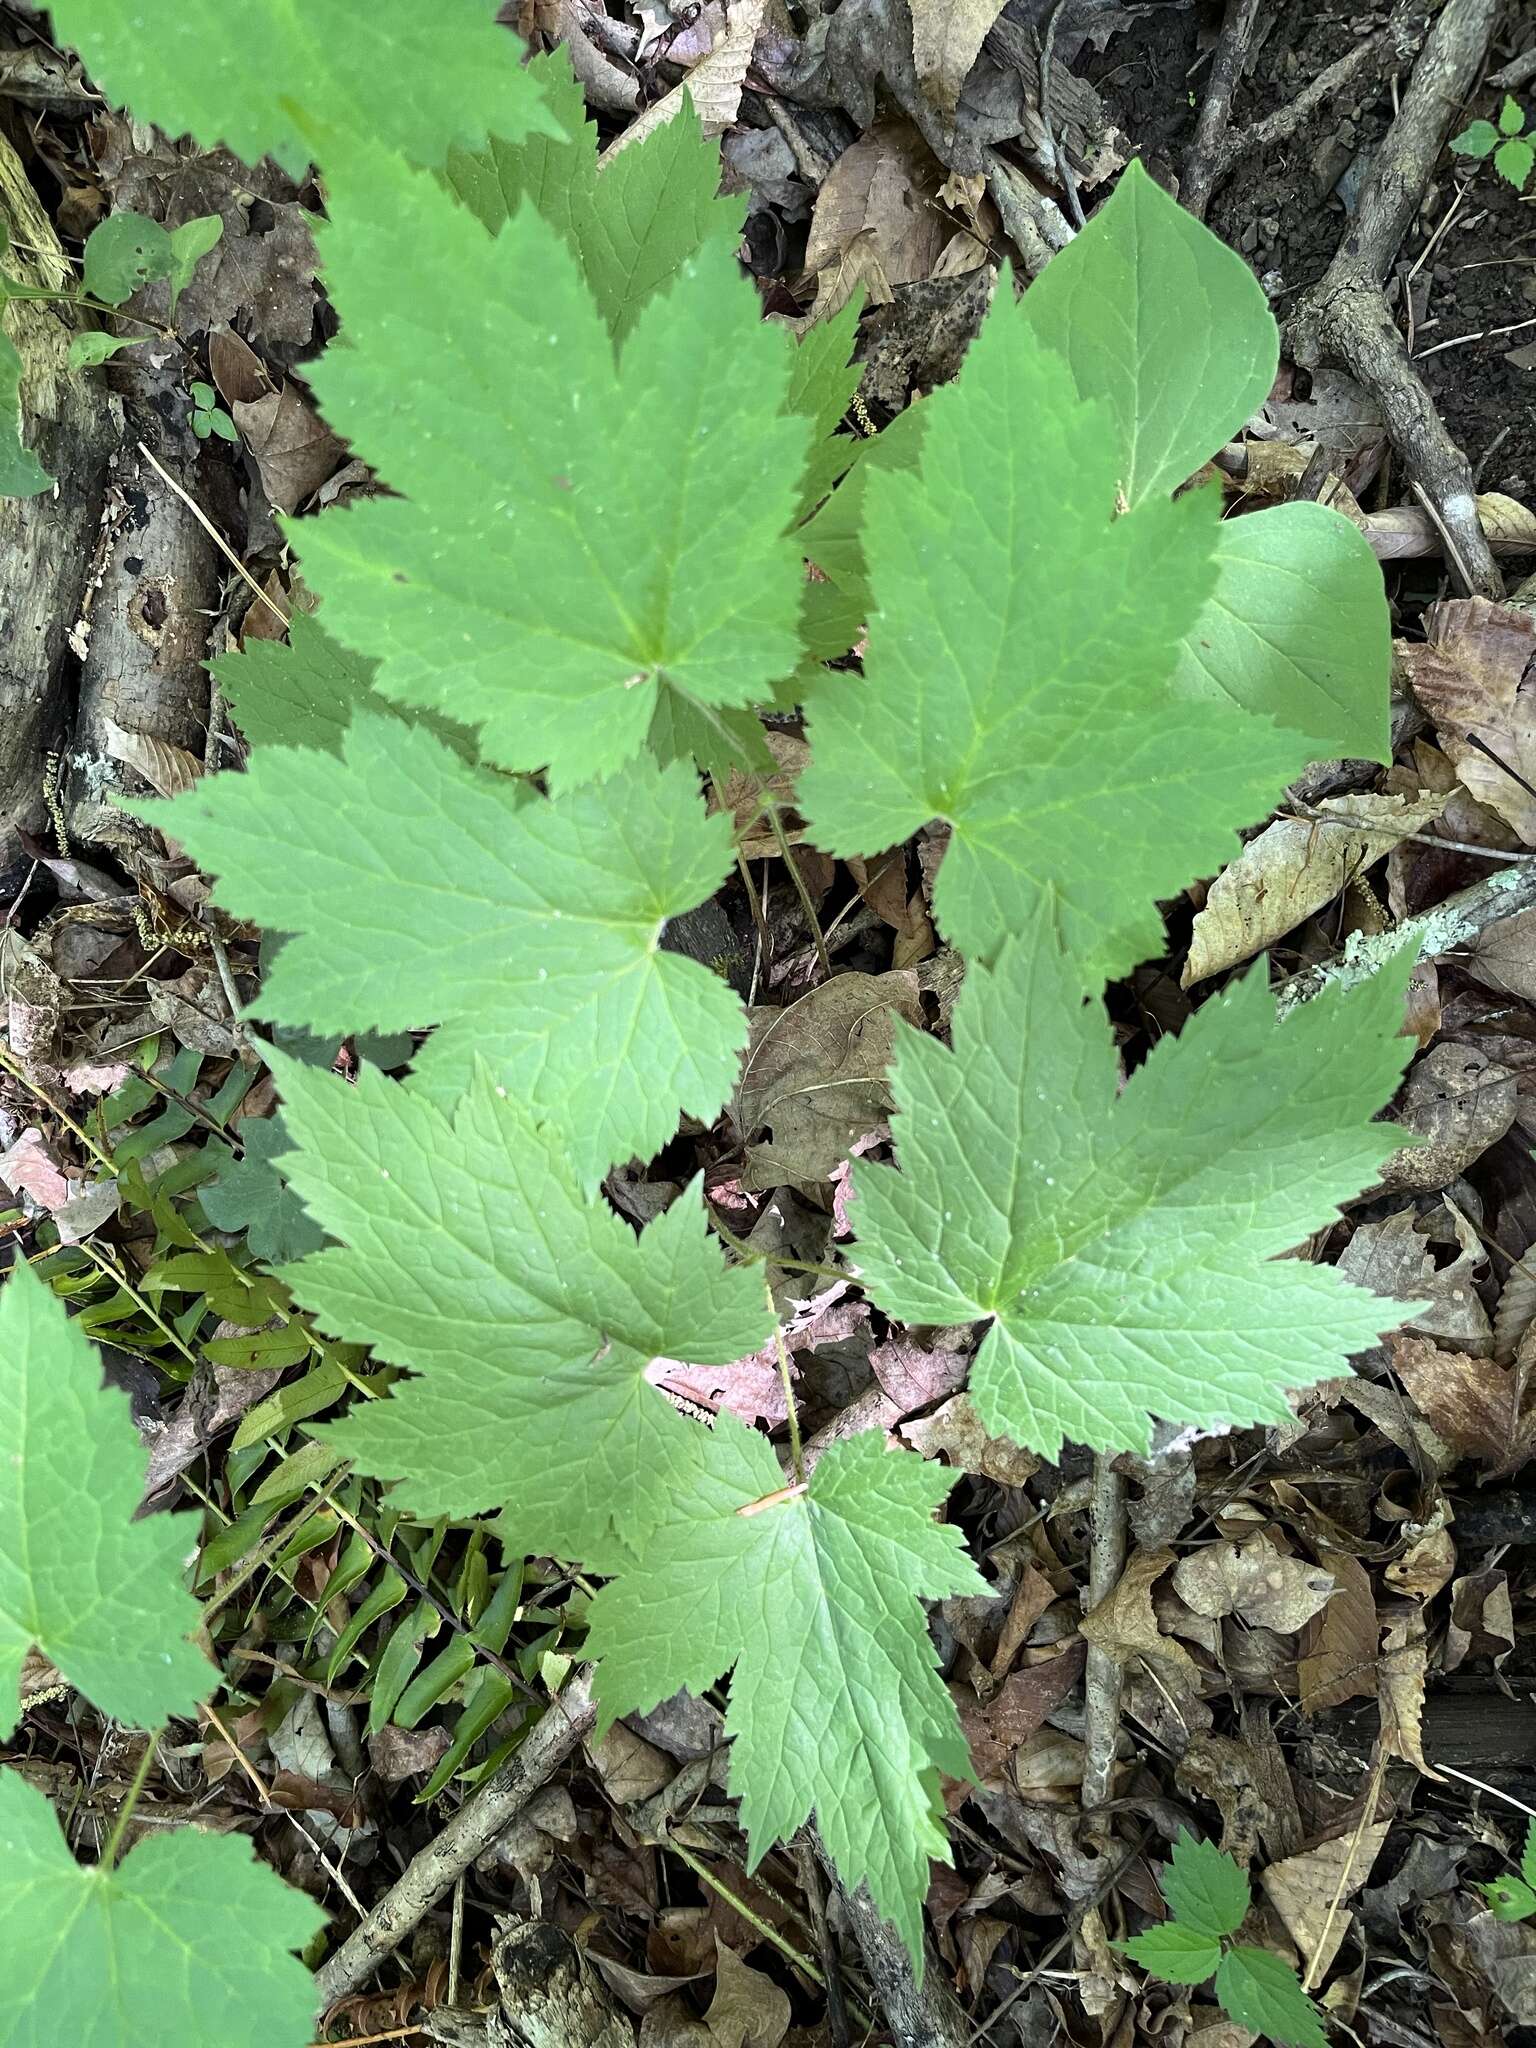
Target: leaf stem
{"type": "Point", "coordinates": [793, 867]}
{"type": "Point", "coordinates": [796, 1449]}
{"type": "Point", "coordinates": [125, 1811]}
{"type": "Point", "coordinates": [753, 1257]}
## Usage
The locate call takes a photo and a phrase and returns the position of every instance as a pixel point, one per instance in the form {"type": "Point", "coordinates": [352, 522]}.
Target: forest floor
{"type": "Point", "coordinates": [1325, 1634]}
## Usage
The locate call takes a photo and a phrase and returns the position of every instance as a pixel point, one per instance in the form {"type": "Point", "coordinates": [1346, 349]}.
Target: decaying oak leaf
{"type": "Point", "coordinates": [1292, 869]}
{"type": "Point", "coordinates": [1473, 677]}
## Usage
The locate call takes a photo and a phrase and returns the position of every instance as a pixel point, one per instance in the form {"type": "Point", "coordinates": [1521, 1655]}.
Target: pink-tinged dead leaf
{"type": "Point", "coordinates": [1480, 1409]}
{"type": "Point", "coordinates": [96, 1079]}
{"type": "Point", "coordinates": [1338, 1655]}
{"type": "Point", "coordinates": [398, 1753]}
{"type": "Point", "coordinates": [1308, 1892]}
{"type": "Point", "coordinates": [752, 1388]}
{"type": "Point", "coordinates": [914, 1376]}
{"type": "Point", "coordinates": [1471, 678]}
{"type": "Point", "coordinates": [31, 1167]}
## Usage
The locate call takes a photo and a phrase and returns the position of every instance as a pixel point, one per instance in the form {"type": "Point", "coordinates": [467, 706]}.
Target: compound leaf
{"type": "Point", "coordinates": [1021, 644]}
{"type": "Point", "coordinates": [576, 529]}
{"type": "Point", "coordinates": [812, 1594]}
{"type": "Point", "coordinates": [420, 79]}
{"type": "Point", "coordinates": [98, 1593]}
{"type": "Point", "coordinates": [1179, 1955]}
{"type": "Point", "coordinates": [1166, 324]}
{"type": "Point", "coordinates": [418, 888]}
{"type": "Point", "coordinates": [1260, 1990]}
{"type": "Point", "coordinates": [184, 1943]}
{"type": "Point", "coordinates": [526, 1308]}
{"type": "Point", "coordinates": [1126, 1252]}
{"type": "Point", "coordinates": [1205, 1889]}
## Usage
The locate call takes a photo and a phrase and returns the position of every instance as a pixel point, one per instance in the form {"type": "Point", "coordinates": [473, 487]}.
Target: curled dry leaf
{"type": "Point", "coordinates": [168, 770]}
{"type": "Point", "coordinates": [1480, 1409]}
{"type": "Point", "coordinates": [1471, 678]}
{"type": "Point", "coordinates": [1460, 1102]}
{"type": "Point", "coordinates": [1400, 1674]}
{"type": "Point", "coordinates": [1394, 1258]}
{"type": "Point", "coordinates": [998, 1727]}
{"type": "Point", "coordinates": [815, 1075]}
{"type": "Point", "coordinates": [1482, 1622]}
{"type": "Point", "coordinates": [1308, 1890]}
{"type": "Point", "coordinates": [1255, 1581]}
{"type": "Point", "coordinates": [1124, 1624]}
{"type": "Point", "coordinates": [956, 1432]}
{"type": "Point", "coordinates": [714, 84]}
{"type": "Point", "coordinates": [1292, 869]}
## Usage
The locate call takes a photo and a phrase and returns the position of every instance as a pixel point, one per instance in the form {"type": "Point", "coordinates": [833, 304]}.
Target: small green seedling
{"type": "Point", "coordinates": [209, 417]}
{"type": "Point", "coordinates": [1511, 145]}
{"type": "Point", "coordinates": [1207, 1899]}
{"type": "Point", "coordinates": [1514, 1898]}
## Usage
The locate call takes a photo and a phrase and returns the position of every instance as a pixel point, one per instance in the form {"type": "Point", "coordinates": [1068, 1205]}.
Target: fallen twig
{"type": "Point", "coordinates": [431, 1873]}
{"type": "Point", "coordinates": [1204, 162]}
{"type": "Point", "coordinates": [925, 2015]}
{"type": "Point", "coordinates": [1103, 1677]}
{"type": "Point", "coordinates": [1345, 318]}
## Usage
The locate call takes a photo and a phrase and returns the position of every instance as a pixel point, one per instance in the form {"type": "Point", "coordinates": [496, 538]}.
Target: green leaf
{"type": "Point", "coordinates": [1510, 1898]}
{"type": "Point", "coordinates": [575, 529]}
{"type": "Point", "coordinates": [1513, 162]}
{"type": "Point", "coordinates": [1205, 1890]}
{"type": "Point", "coordinates": [1481, 138]}
{"type": "Point", "coordinates": [301, 694]}
{"type": "Point", "coordinates": [190, 243]}
{"type": "Point", "coordinates": [836, 1703]}
{"type": "Point", "coordinates": [1163, 322]}
{"type": "Point", "coordinates": [1125, 1252]}
{"type": "Point", "coordinates": [251, 1195]}
{"type": "Point", "coordinates": [98, 1593]}
{"type": "Point", "coordinates": [1021, 645]}
{"type": "Point", "coordinates": [88, 351]}
{"type": "Point", "coordinates": [184, 1942]}
{"type": "Point", "coordinates": [1179, 1955]}
{"type": "Point", "coordinates": [527, 1309]}
{"type": "Point", "coordinates": [21, 474]}
{"type": "Point", "coordinates": [1528, 1856]}
{"type": "Point", "coordinates": [418, 79]}
{"type": "Point", "coordinates": [123, 252]}
{"type": "Point", "coordinates": [635, 225]}
{"type": "Point", "coordinates": [1511, 120]}
{"type": "Point", "coordinates": [1260, 1990]}
{"type": "Point", "coordinates": [418, 888]}
{"type": "Point", "coordinates": [1296, 630]}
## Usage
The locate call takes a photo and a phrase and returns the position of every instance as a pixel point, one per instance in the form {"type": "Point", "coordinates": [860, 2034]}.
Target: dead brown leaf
{"type": "Point", "coordinates": [1308, 1890]}
{"type": "Point", "coordinates": [1292, 869]}
{"type": "Point", "coordinates": [956, 1432]}
{"type": "Point", "coordinates": [1124, 1624]}
{"type": "Point", "coordinates": [877, 222]}
{"type": "Point", "coordinates": [1460, 1102]}
{"type": "Point", "coordinates": [292, 447]}
{"type": "Point", "coordinates": [1254, 1581]}
{"type": "Point", "coordinates": [947, 36]}
{"type": "Point", "coordinates": [1480, 1409]}
{"type": "Point", "coordinates": [815, 1075]}
{"type": "Point", "coordinates": [997, 1727]}
{"type": "Point", "coordinates": [1338, 1658]}
{"type": "Point", "coordinates": [1473, 677]}
{"type": "Point", "coordinates": [714, 84]}
{"type": "Point", "coordinates": [1400, 1675]}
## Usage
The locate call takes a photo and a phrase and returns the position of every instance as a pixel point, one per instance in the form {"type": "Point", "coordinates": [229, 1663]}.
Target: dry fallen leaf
{"type": "Point", "coordinates": [877, 223]}
{"type": "Point", "coordinates": [714, 84]}
{"type": "Point", "coordinates": [1292, 869]}
{"type": "Point", "coordinates": [168, 770]}
{"type": "Point", "coordinates": [1394, 1258]}
{"type": "Point", "coordinates": [1255, 1581]}
{"type": "Point", "coordinates": [1308, 1891]}
{"type": "Point", "coordinates": [956, 1432]}
{"type": "Point", "coordinates": [1480, 1409]}
{"type": "Point", "coordinates": [293, 449]}
{"type": "Point", "coordinates": [1400, 1675]}
{"type": "Point", "coordinates": [998, 1727]}
{"type": "Point", "coordinates": [1459, 1102]}
{"type": "Point", "coordinates": [1124, 1624]}
{"type": "Point", "coordinates": [815, 1075]}
{"type": "Point", "coordinates": [1471, 676]}
{"type": "Point", "coordinates": [947, 36]}
{"type": "Point", "coordinates": [1338, 1657]}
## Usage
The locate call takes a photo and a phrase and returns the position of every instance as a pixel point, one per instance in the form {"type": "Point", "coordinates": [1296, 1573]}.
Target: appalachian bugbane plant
{"type": "Point", "coordinates": [481, 765]}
